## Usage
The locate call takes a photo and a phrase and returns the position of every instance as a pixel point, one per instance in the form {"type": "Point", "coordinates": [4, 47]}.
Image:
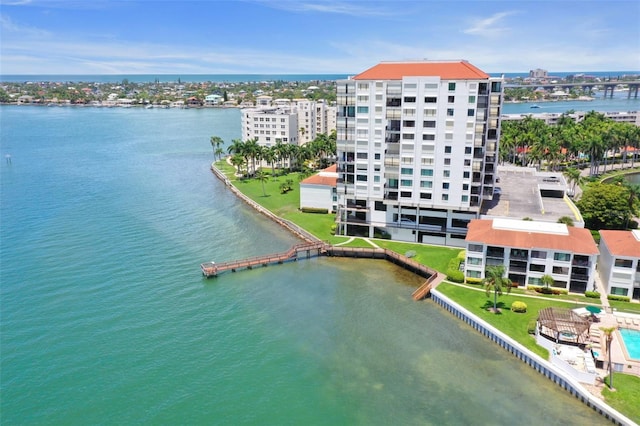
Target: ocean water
{"type": "Point", "coordinates": [105, 318]}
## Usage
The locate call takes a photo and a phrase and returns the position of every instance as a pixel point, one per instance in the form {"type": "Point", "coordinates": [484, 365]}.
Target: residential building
{"type": "Point", "coordinates": [552, 118]}
{"type": "Point", "coordinates": [314, 118]}
{"type": "Point", "coordinates": [528, 250]}
{"type": "Point", "coordinates": [319, 191]}
{"type": "Point", "coordinates": [417, 149]}
{"type": "Point", "coordinates": [619, 262]}
{"type": "Point", "coordinates": [538, 73]}
{"type": "Point", "coordinates": [270, 125]}
{"type": "Point", "coordinates": [213, 100]}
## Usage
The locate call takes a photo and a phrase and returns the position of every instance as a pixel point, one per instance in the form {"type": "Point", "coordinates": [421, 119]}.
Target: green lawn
{"type": "Point", "coordinates": [632, 308]}
{"type": "Point", "coordinates": [435, 257]}
{"type": "Point", "coordinates": [626, 397]}
{"type": "Point", "coordinates": [511, 323]}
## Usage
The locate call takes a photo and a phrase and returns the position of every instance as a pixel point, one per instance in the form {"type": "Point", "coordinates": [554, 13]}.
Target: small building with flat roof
{"type": "Point", "coordinates": [319, 191]}
{"type": "Point", "coordinates": [619, 262]}
{"type": "Point", "coordinates": [529, 250]}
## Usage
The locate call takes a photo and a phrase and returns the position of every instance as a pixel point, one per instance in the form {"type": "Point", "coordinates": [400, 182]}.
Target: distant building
{"type": "Point", "coordinates": [270, 125]}
{"type": "Point", "coordinates": [417, 149]}
{"type": "Point", "coordinates": [538, 73]}
{"type": "Point", "coordinates": [551, 118]}
{"type": "Point", "coordinates": [619, 262]}
{"type": "Point", "coordinates": [528, 250]}
{"type": "Point", "coordinates": [314, 118]}
{"type": "Point", "coordinates": [319, 191]}
{"type": "Point", "coordinates": [213, 100]}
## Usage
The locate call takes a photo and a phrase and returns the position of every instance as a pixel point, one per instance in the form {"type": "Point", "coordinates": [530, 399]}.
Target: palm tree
{"type": "Point", "coordinates": [608, 334]}
{"type": "Point", "coordinates": [237, 160]}
{"type": "Point", "coordinates": [218, 153]}
{"type": "Point", "coordinates": [574, 177]}
{"type": "Point", "coordinates": [547, 280]}
{"type": "Point", "coordinates": [262, 177]}
{"type": "Point", "coordinates": [495, 281]}
{"type": "Point", "coordinates": [216, 142]}
{"type": "Point", "coordinates": [252, 151]}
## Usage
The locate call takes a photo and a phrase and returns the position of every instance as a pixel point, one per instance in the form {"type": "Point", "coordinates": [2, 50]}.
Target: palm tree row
{"type": "Point", "coordinates": [247, 155]}
{"type": "Point", "coordinates": [533, 142]}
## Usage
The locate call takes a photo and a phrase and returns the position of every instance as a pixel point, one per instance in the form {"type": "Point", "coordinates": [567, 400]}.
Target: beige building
{"type": "Point", "coordinates": [619, 262]}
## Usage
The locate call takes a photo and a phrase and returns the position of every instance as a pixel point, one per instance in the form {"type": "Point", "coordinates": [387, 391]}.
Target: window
{"type": "Point", "coordinates": [446, 173]}
{"type": "Point", "coordinates": [474, 261]}
{"type": "Point", "coordinates": [429, 124]}
{"type": "Point", "coordinates": [362, 155]}
{"type": "Point", "coordinates": [431, 86]}
{"type": "Point", "coordinates": [471, 112]}
{"type": "Point", "coordinates": [410, 86]}
{"type": "Point", "coordinates": [406, 182]}
{"type": "Point", "coordinates": [406, 171]}
{"type": "Point", "coordinates": [445, 185]}
{"type": "Point", "coordinates": [376, 178]}
{"type": "Point", "coordinates": [409, 123]}
{"type": "Point", "coordinates": [376, 156]}
{"type": "Point", "coordinates": [410, 99]}
{"type": "Point", "coordinates": [562, 257]}
{"type": "Point", "coordinates": [472, 99]}
{"type": "Point", "coordinates": [451, 99]}
{"type": "Point", "coordinates": [561, 270]}
{"type": "Point", "coordinates": [426, 172]}
{"type": "Point", "coordinates": [426, 184]}
{"type": "Point", "coordinates": [425, 196]}
{"type": "Point", "coordinates": [464, 198]}
{"type": "Point", "coordinates": [445, 197]}
{"type": "Point", "coordinates": [450, 112]}
{"type": "Point", "coordinates": [619, 291]}
{"type": "Point", "coordinates": [430, 99]}
{"type": "Point", "coordinates": [428, 137]}
{"type": "Point", "coordinates": [495, 86]}
{"type": "Point", "coordinates": [623, 263]}
{"type": "Point", "coordinates": [363, 110]}
{"type": "Point", "coordinates": [380, 206]}
{"type": "Point", "coordinates": [536, 268]}
{"type": "Point", "coordinates": [405, 194]}
{"type": "Point", "coordinates": [465, 186]}
{"type": "Point", "coordinates": [447, 149]}
{"type": "Point", "coordinates": [473, 274]}
{"type": "Point", "coordinates": [537, 254]}
{"type": "Point", "coordinates": [447, 162]}
{"type": "Point", "coordinates": [452, 86]}
{"type": "Point", "coordinates": [478, 248]}
{"type": "Point", "coordinates": [465, 175]}
{"type": "Point", "coordinates": [467, 150]}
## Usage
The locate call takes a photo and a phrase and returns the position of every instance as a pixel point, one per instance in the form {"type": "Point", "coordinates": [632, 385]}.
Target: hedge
{"type": "Point", "coordinates": [314, 210]}
{"type": "Point", "coordinates": [592, 294]}
{"type": "Point", "coordinates": [620, 298]}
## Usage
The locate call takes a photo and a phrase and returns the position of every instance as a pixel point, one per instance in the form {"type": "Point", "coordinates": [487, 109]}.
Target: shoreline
{"type": "Point", "coordinates": [588, 395]}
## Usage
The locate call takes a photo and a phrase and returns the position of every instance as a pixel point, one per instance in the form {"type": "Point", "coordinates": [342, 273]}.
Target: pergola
{"type": "Point", "coordinates": [563, 324]}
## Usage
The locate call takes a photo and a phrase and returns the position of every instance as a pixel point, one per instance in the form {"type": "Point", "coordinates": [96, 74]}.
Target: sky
{"type": "Point", "coordinates": [313, 37]}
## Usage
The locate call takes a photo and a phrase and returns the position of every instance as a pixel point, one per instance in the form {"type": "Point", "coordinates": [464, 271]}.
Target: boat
{"type": "Point", "coordinates": [534, 106]}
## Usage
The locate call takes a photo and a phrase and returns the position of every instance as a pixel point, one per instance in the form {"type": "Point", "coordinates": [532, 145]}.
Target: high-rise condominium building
{"type": "Point", "coordinates": [417, 149]}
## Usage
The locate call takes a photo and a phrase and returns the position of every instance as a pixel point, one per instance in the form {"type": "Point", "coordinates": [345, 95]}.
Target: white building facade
{"type": "Point", "coordinates": [619, 262]}
{"type": "Point", "coordinates": [270, 125]}
{"type": "Point", "coordinates": [529, 250]}
{"type": "Point", "coordinates": [417, 149]}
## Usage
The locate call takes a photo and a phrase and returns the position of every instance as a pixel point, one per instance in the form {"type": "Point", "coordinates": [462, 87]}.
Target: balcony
{"type": "Point", "coordinates": [497, 253]}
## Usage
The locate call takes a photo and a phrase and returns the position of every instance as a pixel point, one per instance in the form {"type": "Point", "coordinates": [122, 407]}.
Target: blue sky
{"type": "Point", "coordinates": [313, 37]}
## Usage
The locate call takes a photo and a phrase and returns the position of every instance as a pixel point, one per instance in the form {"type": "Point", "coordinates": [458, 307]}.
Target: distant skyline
{"type": "Point", "coordinates": [314, 37]}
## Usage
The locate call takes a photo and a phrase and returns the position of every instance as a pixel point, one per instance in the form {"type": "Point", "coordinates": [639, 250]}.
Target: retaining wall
{"type": "Point", "coordinates": [534, 361]}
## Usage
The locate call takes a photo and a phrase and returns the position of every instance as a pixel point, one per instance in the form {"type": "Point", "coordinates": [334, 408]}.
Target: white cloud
{"type": "Point", "coordinates": [489, 27]}
{"type": "Point", "coordinates": [331, 7]}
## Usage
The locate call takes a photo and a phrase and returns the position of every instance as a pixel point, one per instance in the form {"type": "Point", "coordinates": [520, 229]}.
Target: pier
{"type": "Point", "coordinates": [314, 249]}
{"type": "Point", "coordinates": [305, 250]}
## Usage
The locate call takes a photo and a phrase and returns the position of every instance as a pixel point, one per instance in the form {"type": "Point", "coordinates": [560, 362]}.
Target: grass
{"type": "Point", "coordinates": [513, 324]}
{"type": "Point", "coordinates": [632, 308]}
{"type": "Point", "coordinates": [435, 257]}
{"type": "Point", "coordinates": [626, 396]}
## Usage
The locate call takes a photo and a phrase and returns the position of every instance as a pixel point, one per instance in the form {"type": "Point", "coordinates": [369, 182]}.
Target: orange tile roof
{"type": "Point", "coordinates": [621, 243]}
{"type": "Point", "coordinates": [321, 180]}
{"type": "Point", "coordinates": [452, 70]}
{"type": "Point", "coordinates": [579, 240]}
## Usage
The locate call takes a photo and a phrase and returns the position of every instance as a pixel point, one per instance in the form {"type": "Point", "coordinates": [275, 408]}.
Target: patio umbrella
{"type": "Point", "coordinates": [593, 309]}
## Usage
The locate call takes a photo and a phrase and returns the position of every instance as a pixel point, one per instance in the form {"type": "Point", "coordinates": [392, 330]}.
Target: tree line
{"type": "Point", "coordinates": [596, 139]}
{"type": "Point", "coordinates": [248, 156]}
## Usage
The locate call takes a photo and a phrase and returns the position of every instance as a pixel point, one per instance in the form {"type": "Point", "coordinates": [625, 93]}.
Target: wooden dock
{"type": "Point", "coordinates": [305, 250]}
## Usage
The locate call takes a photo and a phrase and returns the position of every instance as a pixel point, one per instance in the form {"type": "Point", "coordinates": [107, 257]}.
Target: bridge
{"type": "Point", "coordinates": [609, 86]}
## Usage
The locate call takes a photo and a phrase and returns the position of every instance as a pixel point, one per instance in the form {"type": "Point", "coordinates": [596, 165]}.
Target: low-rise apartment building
{"type": "Point", "coordinates": [529, 250]}
{"type": "Point", "coordinates": [619, 262]}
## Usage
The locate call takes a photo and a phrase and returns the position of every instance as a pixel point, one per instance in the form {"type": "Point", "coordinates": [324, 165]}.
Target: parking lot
{"type": "Point", "coordinates": [520, 197]}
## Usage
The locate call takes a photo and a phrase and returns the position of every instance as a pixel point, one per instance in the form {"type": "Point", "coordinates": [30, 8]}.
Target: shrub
{"type": "Point", "coordinates": [334, 227]}
{"type": "Point", "coordinates": [592, 294]}
{"type": "Point", "coordinates": [455, 275]}
{"type": "Point", "coordinates": [620, 298]}
{"type": "Point", "coordinates": [518, 306]}
{"type": "Point", "coordinates": [531, 326]}
{"type": "Point", "coordinates": [474, 280]}
{"type": "Point", "coordinates": [314, 210]}
{"type": "Point", "coordinates": [548, 290]}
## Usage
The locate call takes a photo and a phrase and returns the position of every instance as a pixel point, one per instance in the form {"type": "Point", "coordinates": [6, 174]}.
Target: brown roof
{"type": "Point", "coordinates": [323, 179]}
{"type": "Point", "coordinates": [621, 243]}
{"type": "Point", "coordinates": [578, 240]}
{"type": "Point", "coordinates": [454, 70]}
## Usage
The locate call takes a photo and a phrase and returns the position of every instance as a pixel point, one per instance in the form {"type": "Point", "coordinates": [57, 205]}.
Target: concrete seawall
{"type": "Point", "coordinates": [534, 361]}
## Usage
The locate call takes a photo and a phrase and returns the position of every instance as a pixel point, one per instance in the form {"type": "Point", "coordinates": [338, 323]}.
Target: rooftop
{"type": "Point", "coordinates": [448, 70]}
{"type": "Point", "coordinates": [622, 243]}
{"type": "Point", "coordinates": [575, 240]}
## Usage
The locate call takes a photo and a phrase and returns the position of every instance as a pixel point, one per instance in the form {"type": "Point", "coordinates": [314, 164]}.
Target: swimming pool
{"type": "Point", "coordinates": [631, 339]}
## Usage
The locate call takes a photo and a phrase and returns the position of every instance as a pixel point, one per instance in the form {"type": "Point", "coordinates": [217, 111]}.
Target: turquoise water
{"type": "Point", "coordinates": [106, 215]}
{"type": "Point", "coordinates": [631, 340]}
